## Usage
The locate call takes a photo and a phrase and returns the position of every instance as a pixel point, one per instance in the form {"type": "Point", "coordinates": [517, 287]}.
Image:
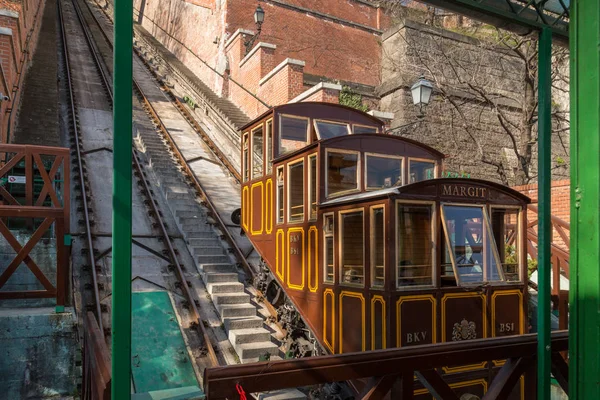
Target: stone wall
{"type": "Point", "coordinates": [38, 354]}
{"type": "Point", "coordinates": [20, 22]}
{"type": "Point", "coordinates": [475, 81]}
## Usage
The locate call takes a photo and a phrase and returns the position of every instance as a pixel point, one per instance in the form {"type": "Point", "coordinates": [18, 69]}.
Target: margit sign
{"type": "Point", "coordinates": [464, 191]}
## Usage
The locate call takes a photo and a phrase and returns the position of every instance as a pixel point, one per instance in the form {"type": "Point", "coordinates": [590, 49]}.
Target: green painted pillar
{"type": "Point", "coordinates": [584, 312]}
{"type": "Point", "coordinates": [122, 180]}
{"type": "Point", "coordinates": [544, 202]}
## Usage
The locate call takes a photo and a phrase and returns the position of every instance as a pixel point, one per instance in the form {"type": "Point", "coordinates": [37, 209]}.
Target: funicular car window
{"type": "Point", "coordinates": [296, 191]}
{"type": "Point", "coordinates": [293, 133]}
{"type": "Point", "coordinates": [505, 224]}
{"type": "Point", "coordinates": [383, 171]}
{"type": "Point", "coordinates": [414, 245]}
{"type": "Point", "coordinates": [342, 172]}
{"type": "Point", "coordinates": [328, 129]}
{"type": "Point", "coordinates": [257, 153]}
{"type": "Point", "coordinates": [420, 170]}
{"type": "Point", "coordinates": [470, 247]}
{"type": "Point", "coordinates": [361, 129]}
{"type": "Point", "coordinates": [352, 248]}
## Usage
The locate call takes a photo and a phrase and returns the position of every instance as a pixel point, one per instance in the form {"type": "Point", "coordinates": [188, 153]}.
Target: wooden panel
{"type": "Point", "coordinates": [378, 323]}
{"type": "Point", "coordinates": [268, 213]}
{"type": "Point", "coordinates": [280, 254]}
{"type": "Point", "coordinates": [245, 208]}
{"type": "Point", "coordinates": [507, 313]}
{"type": "Point", "coordinates": [313, 259]}
{"type": "Point", "coordinates": [463, 318]}
{"type": "Point", "coordinates": [416, 320]}
{"type": "Point", "coordinates": [352, 316]}
{"type": "Point", "coordinates": [295, 258]}
{"type": "Point", "coordinates": [329, 319]}
{"type": "Point", "coordinates": [257, 208]}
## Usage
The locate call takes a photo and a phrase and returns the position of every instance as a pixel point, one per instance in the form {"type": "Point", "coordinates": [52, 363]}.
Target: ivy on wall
{"type": "Point", "coordinates": [352, 99]}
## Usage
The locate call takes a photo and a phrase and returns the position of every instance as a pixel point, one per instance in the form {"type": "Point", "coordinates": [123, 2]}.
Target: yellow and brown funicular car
{"type": "Point", "coordinates": [372, 247]}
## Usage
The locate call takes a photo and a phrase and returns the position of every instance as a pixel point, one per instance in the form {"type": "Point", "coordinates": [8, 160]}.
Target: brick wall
{"type": "Point", "coordinates": [19, 28]}
{"type": "Point", "coordinates": [560, 194]}
{"type": "Point", "coordinates": [336, 39]}
{"type": "Point", "coordinates": [560, 207]}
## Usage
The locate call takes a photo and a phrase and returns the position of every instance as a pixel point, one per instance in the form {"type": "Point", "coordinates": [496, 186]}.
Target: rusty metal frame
{"type": "Point", "coordinates": [57, 213]}
{"type": "Point", "coordinates": [392, 369]}
{"type": "Point", "coordinates": [96, 383]}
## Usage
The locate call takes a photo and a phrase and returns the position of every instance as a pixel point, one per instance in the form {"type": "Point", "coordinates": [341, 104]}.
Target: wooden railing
{"type": "Point", "coordinates": [377, 373]}
{"type": "Point", "coordinates": [43, 211]}
{"type": "Point", "coordinates": [560, 252]}
{"type": "Point", "coordinates": [96, 362]}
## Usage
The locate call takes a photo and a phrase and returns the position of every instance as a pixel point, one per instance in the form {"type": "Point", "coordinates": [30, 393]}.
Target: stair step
{"type": "Point", "coordinates": [199, 235]}
{"type": "Point", "coordinates": [225, 287]}
{"type": "Point", "coordinates": [185, 214]}
{"type": "Point", "coordinates": [210, 249]}
{"type": "Point", "coordinates": [221, 267]}
{"type": "Point", "coordinates": [285, 394]}
{"type": "Point", "coordinates": [232, 323]}
{"type": "Point", "coordinates": [249, 335]}
{"type": "Point", "coordinates": [231, 298]}
{"type": "Point", "coordinates": [213, 258]}
{"type": "Point", "coordinates": [220, 277]}
{"type": "Point", "coordinates": [257, 349]}
{"type": "Point", "coordinates": [257, 359]}
{"type": "Point", "coordinates": [236, 310]}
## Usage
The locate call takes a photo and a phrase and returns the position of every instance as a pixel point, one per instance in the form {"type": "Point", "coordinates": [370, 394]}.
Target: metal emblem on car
{"type": "Point", "coordinates": [464, 330]}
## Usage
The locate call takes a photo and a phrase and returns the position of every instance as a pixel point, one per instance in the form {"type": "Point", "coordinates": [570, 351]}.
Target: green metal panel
{"type": "Point", "coordinates": [516, 15]}
{"type": "Point", "coordinates": [185, 393]}
{"type": "Point", "coordinates": [584, 321]}
{"type": "Point", "coordinates": [160, 358]}
{"type": "Point", "coordinates": [544, 202]}
{"type": "Point", "coordinates": [122, 207]}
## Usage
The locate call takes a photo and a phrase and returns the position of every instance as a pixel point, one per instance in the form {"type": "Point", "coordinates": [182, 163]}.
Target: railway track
{"type": "Point", "coordinates": [182, 187]}
{"type": "Point", "coordinates": [99, 290]}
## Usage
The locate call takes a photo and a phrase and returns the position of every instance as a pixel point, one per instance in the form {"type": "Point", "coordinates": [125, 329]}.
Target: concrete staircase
{"type": "Point", "coordinates": [244, 327]}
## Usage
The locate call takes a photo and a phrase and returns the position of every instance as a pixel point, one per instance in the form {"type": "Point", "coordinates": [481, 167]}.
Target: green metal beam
{"type": "Point", "coordinates": [584, 321]}
{"type": "Point", "coordinates": [519, 16]}
{"type": "Point", "coordinates": [122, 207]}
{"type": "Point", "coordinates": [544, 216]}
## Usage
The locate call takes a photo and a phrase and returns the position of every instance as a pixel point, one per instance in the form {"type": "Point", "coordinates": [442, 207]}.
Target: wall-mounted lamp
{"type": "Point", "coordinates": [259, 18]}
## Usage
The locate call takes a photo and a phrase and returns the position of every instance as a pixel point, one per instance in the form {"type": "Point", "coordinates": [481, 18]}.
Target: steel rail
{"type": "Point", "coordinates": [153, 204]}
{"type": "Point", "coordinates": [196, 182]}
{"type": "Point", "coordinates": [86, 214]}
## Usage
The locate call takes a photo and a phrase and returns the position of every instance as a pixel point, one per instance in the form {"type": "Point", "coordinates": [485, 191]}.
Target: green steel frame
{"type": "Point", "coordinates": [553, 19]}
{"type": "Point", "coordinates": [584, 323]}
{"type": "Point", "coordinates": [122, 206]}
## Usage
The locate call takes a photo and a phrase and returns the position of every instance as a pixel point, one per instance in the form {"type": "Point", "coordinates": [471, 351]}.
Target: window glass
{"type": "Point", "coordinates": [312, 194]}
{"type": "Point", "coordinates": [342, 172]}
{"type": "Point", "coordinates": [352, 244]}
{"type": "Point", "coordinates": [414, 264]}
{"type": "Point", "coordinates": [505, 224]}
{"type": "Point", "coordinates": [421, 170]}
{"type": "Point", "coordinates": [280, 195]}
{"type": "Point", "coordinates": [245, 161]}
{"type": "Point", "coordinates": [257, 153]}
{"type": "Point", "coordinates": [469, 245]}
{"type": "Point", "coordinates": [296, 192]}
{"type": "Point", "coordinates": [268, 148]}
{"type": "Point", "coordinates": [327, 130]}
{"type": "Point", "coordinates": [293, 134]}
{"type": "Point", "coordinates": [377, 247]}
{"type": "Point", "coordinates": [358, 129]}
{"type": "Point", "coordinates": [328, 232]}
{"type": "Point", "coordinates": [383, 172]}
